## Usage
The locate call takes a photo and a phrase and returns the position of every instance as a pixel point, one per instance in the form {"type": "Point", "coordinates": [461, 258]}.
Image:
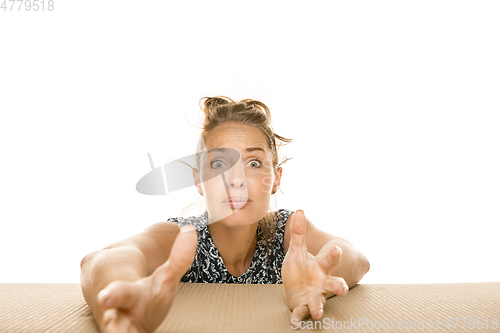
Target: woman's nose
{"type": "Point", "coordinates": [237, 183]}
{"type": "Point", "coordinates": [236, 177]}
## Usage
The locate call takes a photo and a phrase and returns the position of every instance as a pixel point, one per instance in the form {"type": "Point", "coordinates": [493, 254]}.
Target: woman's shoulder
{"type": "Point", "coordinates": [196, 221]}
{"type": "Point", "coordinates": [283, 215]}
{"type": "Point", "coordinates": [202, 220]}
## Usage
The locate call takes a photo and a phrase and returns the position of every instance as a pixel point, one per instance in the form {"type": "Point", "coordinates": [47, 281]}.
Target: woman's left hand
{"type": "Point", "coordinates": [306, 277]}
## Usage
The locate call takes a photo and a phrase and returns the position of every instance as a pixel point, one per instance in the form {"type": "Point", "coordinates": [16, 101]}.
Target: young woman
{"type": "Point", "coordinates": [130, 285]}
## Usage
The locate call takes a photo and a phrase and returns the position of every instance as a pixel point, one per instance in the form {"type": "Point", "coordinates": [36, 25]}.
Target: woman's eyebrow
{"type": "Point", "coordinates": [250, 149]}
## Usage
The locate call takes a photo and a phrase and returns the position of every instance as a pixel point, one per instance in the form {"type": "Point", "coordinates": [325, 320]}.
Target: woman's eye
{"type": "Point", "coordinates": [255, 164]}
{"type": "Point", "coordinates": [217, 165]}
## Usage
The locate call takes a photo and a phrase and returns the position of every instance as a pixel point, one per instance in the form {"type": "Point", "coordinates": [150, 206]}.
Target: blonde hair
{"type": "Point", "coordinates": [221, 109]}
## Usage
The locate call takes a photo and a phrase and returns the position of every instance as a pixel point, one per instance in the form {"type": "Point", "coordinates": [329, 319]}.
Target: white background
{"type": "Point", "coordinates": [393, 107]}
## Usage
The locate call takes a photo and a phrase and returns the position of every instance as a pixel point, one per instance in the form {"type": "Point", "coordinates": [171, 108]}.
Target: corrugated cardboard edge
{"type": "Point", "coordinates": [29, 308]}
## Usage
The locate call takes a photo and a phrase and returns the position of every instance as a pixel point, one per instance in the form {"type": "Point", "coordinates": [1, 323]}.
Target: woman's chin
{"type": "Point", "coordinates": [222, 213]}
{"type": "Point", "coordinates": [233, 216]}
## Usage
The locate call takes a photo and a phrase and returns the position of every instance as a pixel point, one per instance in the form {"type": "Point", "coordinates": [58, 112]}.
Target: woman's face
{"type": "Point", "coordinates": [236, 174]}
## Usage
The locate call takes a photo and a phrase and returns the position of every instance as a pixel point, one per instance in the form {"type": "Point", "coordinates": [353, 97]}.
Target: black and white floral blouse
{"type": "Point", "coordinates": [208, 266]}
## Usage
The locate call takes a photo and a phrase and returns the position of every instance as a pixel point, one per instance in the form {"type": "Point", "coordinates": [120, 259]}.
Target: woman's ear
{"type": "Point", "coordinates": [277, 181]}
{"type": "Point", "coordinates": [197, 182]}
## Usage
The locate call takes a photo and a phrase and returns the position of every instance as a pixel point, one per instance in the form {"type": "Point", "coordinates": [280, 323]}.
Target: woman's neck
{"type": "Point", "coordinates": [236, 245]}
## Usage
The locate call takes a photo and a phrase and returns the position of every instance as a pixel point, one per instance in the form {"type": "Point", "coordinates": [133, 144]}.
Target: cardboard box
{"type": "Point", "coordinates": [262, 308]}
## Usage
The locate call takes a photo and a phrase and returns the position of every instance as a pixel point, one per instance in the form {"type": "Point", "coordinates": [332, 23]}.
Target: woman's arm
{"type": "Point", "coordinates": [353, 264]}
{"type": "Point", "coordinates": [127, 261]}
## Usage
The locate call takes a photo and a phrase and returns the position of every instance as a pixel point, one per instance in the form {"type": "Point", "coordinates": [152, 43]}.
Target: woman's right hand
{"type": "Point", "coordinates": [141, 306]}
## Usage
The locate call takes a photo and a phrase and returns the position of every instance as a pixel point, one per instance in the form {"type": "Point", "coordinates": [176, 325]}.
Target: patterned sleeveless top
{"type": "Point", "coordinates": [208, 266]}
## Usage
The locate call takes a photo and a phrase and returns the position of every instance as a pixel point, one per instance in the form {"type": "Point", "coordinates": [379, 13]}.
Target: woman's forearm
{"type": "Point", "coordinates": [353, 265]}
{"type": "Point", "coordinates": [100, 268]}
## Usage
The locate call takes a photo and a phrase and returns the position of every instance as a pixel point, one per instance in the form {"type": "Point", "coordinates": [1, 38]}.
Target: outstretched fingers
{"type": "Point", "coordinates": [182, 253]}
{"type": "Point", "coordinates": [299, 313]}
{"type": "Point", "coordinates": [298, 231]}
{"type": "Point", "coordinates": [119, 295]}
{"type": "Point", "coordinates": [335, 285]}
{"type": "Point", "coordinates": [328, 258]}
{"type": "Point", "coordinates": [114, 320]}
{"type": "Point", "coordinates": [180, 259]}
{"type": "Point", "coordinates": [316, 305]}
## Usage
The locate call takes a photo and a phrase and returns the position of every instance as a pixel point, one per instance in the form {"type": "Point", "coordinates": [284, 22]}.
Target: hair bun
{"type": "Point", "coordinates": [257, 105]}
{"type": "Point", "coordinates": [210, 103]}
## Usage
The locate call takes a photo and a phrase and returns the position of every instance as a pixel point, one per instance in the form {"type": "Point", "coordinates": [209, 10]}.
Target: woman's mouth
{"type": "Point", "coordinates": [236, 202]}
